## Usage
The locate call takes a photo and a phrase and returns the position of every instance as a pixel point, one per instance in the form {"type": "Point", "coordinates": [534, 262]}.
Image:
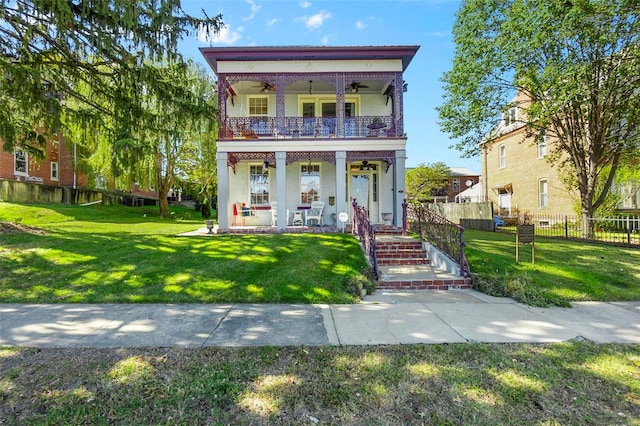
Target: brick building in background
{"type": "Point", "coordinates": [517, 175]}
{"type": "Point", "coordinates": [56, 169]}
{"type": "Point", "coordinates": [460, 179]}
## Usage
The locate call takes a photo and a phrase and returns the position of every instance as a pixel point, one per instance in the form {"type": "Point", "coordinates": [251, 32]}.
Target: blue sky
{"type": "Point", "coordinates": [426, 23]}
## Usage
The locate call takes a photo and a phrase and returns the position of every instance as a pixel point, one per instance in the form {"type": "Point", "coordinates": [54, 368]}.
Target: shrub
{"type": "Point", "coordinates": [518, 287]}
{"type": "Point", "coordinates": [205, 209]}
{"type": "Point", "coordinates": [361, 284]}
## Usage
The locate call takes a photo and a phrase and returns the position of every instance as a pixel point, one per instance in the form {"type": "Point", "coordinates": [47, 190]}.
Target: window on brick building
{"type": "Point", "coordinates": [542, 147]}
{"type": "Point", "coordinates": [54, 170]}
{"type": "Point", "coordinates": [543, 193]}
{"type": "Point", "coordinates": [502, 152]}
{"type": "Point", "coordinates": [510, 116]}
{"type": "Point", "coordinates": [20, 162]}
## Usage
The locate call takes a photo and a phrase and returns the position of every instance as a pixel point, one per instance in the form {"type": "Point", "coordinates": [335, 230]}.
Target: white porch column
{"type": "Point", "coordinates": [341, 188]}
{"type": "Point", "coordinates": [281, 189]}
{"type": "Point", "coordinates": [223, 190]}
{"type": "Point", "coordinates": [399, 191]}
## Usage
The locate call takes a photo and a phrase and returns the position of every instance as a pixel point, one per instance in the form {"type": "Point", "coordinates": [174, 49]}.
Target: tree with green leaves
{"type": "Point", "coordinates": [89, 62]}
{"type": "Point", "coordinates": [107, 75]}
{"type": "Point", "coordinates": [575, 68]}
{"type": "Point", "coordinates": [626, 185]}
{"type": "Point", "coordinates": [185, 128]}
{"type": "Point", "coordinates": [424, 181]}
{"type": "Point", "coordinates": [170, 139]}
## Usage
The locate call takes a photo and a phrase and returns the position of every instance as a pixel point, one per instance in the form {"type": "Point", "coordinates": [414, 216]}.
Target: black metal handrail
{"type": "Point", "coordinates": [366, 233]}
{"type": "Point", "coordinates": [438, 231]}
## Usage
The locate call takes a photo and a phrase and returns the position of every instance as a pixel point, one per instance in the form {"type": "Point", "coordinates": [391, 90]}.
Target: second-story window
{"type": "Point", "coordinates": [502, 152]}
{"type": "Point", "coordinates": [456, 185]}
{"type": "Point", "coordinates": [54, 170]}
{"type": "Point", "coordinates": [258, 106]}
{"type": "Point", "coordinates": [542, 147]}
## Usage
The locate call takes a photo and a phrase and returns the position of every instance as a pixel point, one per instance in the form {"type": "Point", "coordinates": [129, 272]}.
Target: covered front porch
{"type": "Point", "coordinates": [279, 190]}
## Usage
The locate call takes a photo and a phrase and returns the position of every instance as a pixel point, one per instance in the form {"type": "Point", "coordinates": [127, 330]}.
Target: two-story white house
{"type": "Point", "coordinates": [304, 124]}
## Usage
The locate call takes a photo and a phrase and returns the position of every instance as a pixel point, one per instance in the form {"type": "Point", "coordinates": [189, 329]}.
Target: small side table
{"type": "Point", "coordinates": [297, 219]}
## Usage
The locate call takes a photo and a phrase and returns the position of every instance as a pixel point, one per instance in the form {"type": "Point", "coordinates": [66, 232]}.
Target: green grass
{"type": "Point", "coordinates": [116, 254]}
{"type": "Point", "coordinates": [563, 272]}
{"type": "Point", "coordinates": [110, 254]}
{"type": "Point", "coordinates": [482, 384]}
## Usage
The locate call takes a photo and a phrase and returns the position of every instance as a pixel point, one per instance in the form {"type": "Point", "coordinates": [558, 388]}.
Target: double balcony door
{"type": "Point", "coordinates": [326, 108]}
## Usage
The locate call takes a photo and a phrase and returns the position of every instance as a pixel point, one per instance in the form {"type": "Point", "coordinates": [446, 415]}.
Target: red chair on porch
{"type": "Point", "coordinates": [240, 212]}
{"type": "Point", "coordinates": [238, 219]}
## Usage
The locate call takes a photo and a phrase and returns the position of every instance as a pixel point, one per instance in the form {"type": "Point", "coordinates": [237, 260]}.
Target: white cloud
{"type": "Point", "coordinates": [439, 33]}
{"type": "Point", "coordinates": [271, 22]}
{"type": "Point", "coordinates": [226, 36]}
{"type": "Point", "coordinates": [315, 21]}
{"type": "Point", "coordinates": [254, 9]}
{"type": "Point", "coordinates": [304, 4]}
{"type": "Point", "coordinates": [360, 25]}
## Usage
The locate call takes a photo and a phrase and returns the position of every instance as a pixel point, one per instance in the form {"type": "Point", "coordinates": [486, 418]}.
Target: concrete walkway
{"type": "Point", "coordinates": [388, 317]}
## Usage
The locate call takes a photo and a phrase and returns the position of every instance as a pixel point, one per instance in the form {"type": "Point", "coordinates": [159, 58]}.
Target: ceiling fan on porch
{"type": "Point", "coordinates": [266, 164]}
{"type": "Point", "coordinates": [365, 166]}
{"type": "Point", "coordinates": [355, 86]}
{"type": "Point", "coordinates": [266, 87]}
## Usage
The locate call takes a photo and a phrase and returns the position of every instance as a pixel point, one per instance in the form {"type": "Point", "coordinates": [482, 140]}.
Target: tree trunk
{"type": "Point", "coordinates": [587, 226]}
{"type": "Point", "coordinates": [586, 212]}
{"type": "Point", "coordinates": [164, 185]}
{"type": "Point", "coordinates": [163, 202]}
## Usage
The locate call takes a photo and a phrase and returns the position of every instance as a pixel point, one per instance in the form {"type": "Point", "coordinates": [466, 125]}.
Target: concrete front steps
{"type": "Point", "coordinates": [404, 265]}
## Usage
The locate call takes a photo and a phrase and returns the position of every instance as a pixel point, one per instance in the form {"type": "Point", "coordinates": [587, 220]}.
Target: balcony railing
{"type": "Point", "coordinates": [308, 127]}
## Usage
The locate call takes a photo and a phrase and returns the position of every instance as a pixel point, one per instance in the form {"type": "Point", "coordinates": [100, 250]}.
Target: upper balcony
{"type": "Point", "coordinates": [310, 91]}
{"type": "Point", "coordinates": [335, 105]}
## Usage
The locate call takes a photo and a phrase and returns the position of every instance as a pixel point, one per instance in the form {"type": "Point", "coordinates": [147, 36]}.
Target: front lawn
{"type": "Point", "coordinates": [564, 271]}
{"type": "Point", "coordinates": [111, 254]}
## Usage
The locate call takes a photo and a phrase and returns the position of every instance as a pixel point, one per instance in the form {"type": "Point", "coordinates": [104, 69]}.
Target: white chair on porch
{"type": "Point", "coordinates": [274, 214]}
{"type": "Point", "coordinates": [314, 213]}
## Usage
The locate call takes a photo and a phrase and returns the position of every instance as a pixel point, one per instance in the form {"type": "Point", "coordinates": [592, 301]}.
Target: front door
{"type": "Point", "coordinates": [363, 187]}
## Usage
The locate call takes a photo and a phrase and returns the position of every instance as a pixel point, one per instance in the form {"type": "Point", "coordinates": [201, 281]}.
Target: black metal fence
{"type": "Point", "coordinates": [619, 230]}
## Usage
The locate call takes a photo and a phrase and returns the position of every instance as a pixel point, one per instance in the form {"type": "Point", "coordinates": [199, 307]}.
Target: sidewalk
{"type": "Point", "coordinates": [388, 317]}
